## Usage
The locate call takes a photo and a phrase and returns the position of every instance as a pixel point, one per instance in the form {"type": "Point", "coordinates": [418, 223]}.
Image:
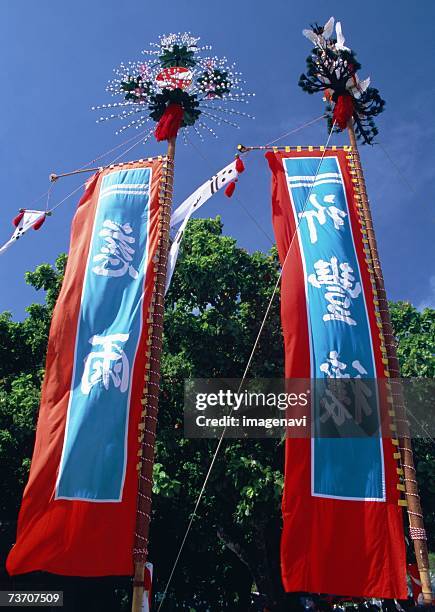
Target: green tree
{"type": "Point", "coordinates": [22, 356]}
{"type": "Point", "coordinates": [415, 334]}
{"type": "Point", "coordinates": [213, 313]}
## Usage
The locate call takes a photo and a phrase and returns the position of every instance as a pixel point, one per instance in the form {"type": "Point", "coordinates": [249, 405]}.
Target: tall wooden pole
{"type": "Point", "coordinates": [152, 383]}
{"type": "Point", "coordinates": [416, 526]}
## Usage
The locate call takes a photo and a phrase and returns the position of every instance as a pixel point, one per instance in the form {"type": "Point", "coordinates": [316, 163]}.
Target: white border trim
{"type": "Point", "coordinates": [127, 418]}
{"type": "Point", "coordinates": [289, 189]}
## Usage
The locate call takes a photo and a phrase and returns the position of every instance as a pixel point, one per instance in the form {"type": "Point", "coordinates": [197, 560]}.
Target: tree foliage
{"type": "Point", "coordinates": [415, 334]}
{"type": "Point", "coordinates": [213, 313]}
{"type": "Point", "coordinates": [22, 356]}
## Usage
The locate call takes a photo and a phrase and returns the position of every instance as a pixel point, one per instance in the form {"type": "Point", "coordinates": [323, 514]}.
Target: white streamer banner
{"type": "Point", "coordinates": [192, 204]}
{"type": "Point", "coordinates": [28, 220]}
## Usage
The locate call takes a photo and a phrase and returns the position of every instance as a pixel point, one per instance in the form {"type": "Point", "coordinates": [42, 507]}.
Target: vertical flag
{"type": "Point", "coordinates": [79, 507]}
{"type": "Point", "coordinates": [342, 531]}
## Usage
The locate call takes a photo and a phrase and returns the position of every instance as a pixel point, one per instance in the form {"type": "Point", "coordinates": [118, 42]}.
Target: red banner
{"type": "Point", "coordinates": [79, 507]}
{"type": "Point", "coordinates": [342, 530]}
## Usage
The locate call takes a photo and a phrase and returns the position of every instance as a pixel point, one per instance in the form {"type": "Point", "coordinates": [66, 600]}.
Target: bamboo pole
{"type": "Point", "coordinates": [152, 385]}
{"type": "Point", "coordinates": [415, 515]}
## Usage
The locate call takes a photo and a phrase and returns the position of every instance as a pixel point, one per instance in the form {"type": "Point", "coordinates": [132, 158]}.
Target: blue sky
{"type": "Point", "coordinates": [55, 60]}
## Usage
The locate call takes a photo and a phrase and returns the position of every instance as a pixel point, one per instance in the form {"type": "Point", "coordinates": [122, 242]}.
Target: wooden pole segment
{"type": "Point", "coordinates": [150, 399]}
{"type": "Point", "coordinates": [416, 526]}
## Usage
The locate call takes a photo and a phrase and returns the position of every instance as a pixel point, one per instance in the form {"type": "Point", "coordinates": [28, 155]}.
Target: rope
{"type": "Point", "coordinates": [111, 151]}
{"type": "Point", "coordinates": [54, 177]}
{"type": "Point", "coordinates": [408, 411]}
{"type": "Point", "coordinates": [48, 198]}
{"type": "Point", "coordinates": [66, 198]}
{"type": "Point", "coordinates": [47, 193]}
{"type": "Point", "coordinates": [301, 127]}
{"type": "Point", "coordinates": [219, 444]}
{"type": "Point", "coordinates": [236, 197]}
{"type": "Point", "coordinates": [138, 138]}
{"type": "Point", "coordinates": [396, 167]}
{"type": "Point", "coordinates": [267, 146]}
{"type": "Point", "coordinates": [140, 141]}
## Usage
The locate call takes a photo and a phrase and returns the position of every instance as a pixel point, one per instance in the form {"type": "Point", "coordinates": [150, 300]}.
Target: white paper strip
{"type": "Point", "coordinates": [190, 205]}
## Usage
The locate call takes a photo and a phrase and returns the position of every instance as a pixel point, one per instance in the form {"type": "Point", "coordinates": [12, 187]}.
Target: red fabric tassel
{"type": "Point", "coordinates": [229, 189]}
{"type": "Point", "coordinates": [240, 166]}
{"type": "Point", "coordinates": [18, 218]}
{"type": "Point", "coordinates": [170, 122]}
{"type": "Point", "coordinates": [39, 222]}
{"type": "Point", "coordinates": [343, 111]}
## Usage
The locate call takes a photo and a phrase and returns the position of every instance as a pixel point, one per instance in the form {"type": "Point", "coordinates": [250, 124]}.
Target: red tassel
{"type": "Point", "coordinates": [240, 166]}
{"type": "Point", "coordinates": [343, 111]}
{"type": "Point", "coordinates": [18, 218]}
{"type": "Point", "coordinates": [39, 222]}
{"type": "Point", "coordinates": [170, 122]}
{"type": "Point", "coordinates": [229, 189]}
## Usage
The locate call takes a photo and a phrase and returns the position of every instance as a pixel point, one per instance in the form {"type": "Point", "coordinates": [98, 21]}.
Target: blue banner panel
{"type": "Point", "coordinates": [339, 330]}
{"type": "Point", "coordinates": [94, 454]}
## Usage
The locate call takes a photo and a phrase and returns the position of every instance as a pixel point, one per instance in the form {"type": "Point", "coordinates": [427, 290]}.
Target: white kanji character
{"type": "Point", "coordinates": [359, 368]}
{"type": "Point", "coordinates": [117, 252]}
{"type": "Point", "coordinates": [340, 288]}
{"type": "Point", "coordinates": [109, 363]}
{"type": "Point", "coordinates": [319, 213]}
{"type": "Point", "coordinates": [335, 405]}
{"type": "Point", "coordinates": [332, 367]}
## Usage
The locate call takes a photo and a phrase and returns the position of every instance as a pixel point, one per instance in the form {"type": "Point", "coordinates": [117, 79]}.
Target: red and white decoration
{"type": "Point", "coordinates": [147, 591]}
{"type": "Point", "coordinates": [227, 176]}
{"type": "Point", "coordinates": [175, 77]}
{"type": "Point", "coordinates": [25, 220]}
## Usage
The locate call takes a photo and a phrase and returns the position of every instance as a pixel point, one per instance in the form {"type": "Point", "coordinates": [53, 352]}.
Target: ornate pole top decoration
{"type": "Point", "coordinates": [177, 87]}
{"type": "Point", "coordinates": [332, 67]}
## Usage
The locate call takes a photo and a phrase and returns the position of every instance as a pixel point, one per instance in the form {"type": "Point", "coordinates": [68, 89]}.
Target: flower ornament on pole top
{"type": "Point", "coordinates": [176, 86]}
{"type": "Point", "coordinates": [332, 68]}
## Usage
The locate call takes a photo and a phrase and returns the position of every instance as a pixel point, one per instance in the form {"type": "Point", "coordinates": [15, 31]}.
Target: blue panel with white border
{"type": "Point", "coordinates": [340, 340]}
{"type": "Point", "coordinates": [94, 454]}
